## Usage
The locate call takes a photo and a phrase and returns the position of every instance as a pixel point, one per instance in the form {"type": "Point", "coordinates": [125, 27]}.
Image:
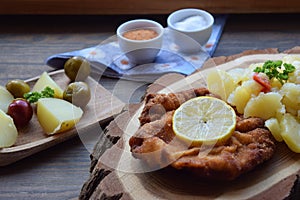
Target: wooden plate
{"type": "Point", "coordinates": [32, 139]}
{"type": "Point", "coordinates": [123, 178]}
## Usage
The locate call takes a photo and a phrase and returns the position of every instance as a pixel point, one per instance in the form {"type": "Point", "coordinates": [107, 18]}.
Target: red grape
{"type": "Point", "coordinates": [21, 112]}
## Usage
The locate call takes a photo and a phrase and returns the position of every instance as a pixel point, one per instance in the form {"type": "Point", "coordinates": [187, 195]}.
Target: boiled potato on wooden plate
{"type": "Point", "coordinates": [269, 90]}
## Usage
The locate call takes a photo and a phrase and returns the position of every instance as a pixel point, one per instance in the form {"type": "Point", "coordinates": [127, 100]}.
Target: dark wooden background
{"type": "Point", "coordinates": [25, 43]}
{"type": "Point", "coordinates": [117, 7]}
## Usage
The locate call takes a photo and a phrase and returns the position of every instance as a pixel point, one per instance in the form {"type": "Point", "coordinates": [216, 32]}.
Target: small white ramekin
{"type": "Point", "coordinates": [140, 51]}
{"type": "Point", "coordinates": [190, 40]}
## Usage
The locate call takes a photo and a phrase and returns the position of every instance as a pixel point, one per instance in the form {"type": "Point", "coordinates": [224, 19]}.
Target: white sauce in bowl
{"type": "Point", "coordinates": [191, 23]}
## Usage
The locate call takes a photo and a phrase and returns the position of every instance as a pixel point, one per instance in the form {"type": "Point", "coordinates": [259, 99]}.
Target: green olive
{"type": "Point", "coordinates": [77, 68]}
{"type": "Point", "coordinates": [78, 93]}
{"type": "Point", "coordinates": [17, 88]}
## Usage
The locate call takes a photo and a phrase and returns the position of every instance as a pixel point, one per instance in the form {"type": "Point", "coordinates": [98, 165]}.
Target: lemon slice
{"type": "Point", "coordinates": [204, 120]}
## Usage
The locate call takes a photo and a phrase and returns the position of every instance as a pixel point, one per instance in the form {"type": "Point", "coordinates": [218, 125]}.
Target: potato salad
{"type": "Point", "coordinates": [269, 90]}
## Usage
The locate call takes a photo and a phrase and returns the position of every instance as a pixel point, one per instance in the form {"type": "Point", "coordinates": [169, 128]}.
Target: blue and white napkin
{"type": "Point", "coordinates": [107, 58]}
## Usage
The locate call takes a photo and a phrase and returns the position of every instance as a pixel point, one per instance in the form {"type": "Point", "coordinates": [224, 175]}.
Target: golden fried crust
{"type": "Point", "coordinates": [156, 105]}
{"type": "Point", "coordinates": [155, 142]}
{"type": "Point", "coordinates": [241, 153]}
{"type": "Point", "coordinates": [245, 125]}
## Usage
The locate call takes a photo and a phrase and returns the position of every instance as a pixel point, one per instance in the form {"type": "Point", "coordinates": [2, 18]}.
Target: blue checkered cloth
{"type": "Point", "coordinates": [107, 58]}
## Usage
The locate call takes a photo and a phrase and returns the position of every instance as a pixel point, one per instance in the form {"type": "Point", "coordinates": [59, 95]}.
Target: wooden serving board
{"type": "Point", "coordinates": [115, 174]}
{"type": "Point", "coordinates": [32, 139]}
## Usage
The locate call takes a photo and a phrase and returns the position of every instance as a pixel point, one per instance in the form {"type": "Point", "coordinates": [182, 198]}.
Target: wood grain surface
{"type": "Point", "coordinates": [26, 41]}
{"type": "Point", "coordinates": [116, 174]}
{"type": "Point", "coordinates": [144, 6]}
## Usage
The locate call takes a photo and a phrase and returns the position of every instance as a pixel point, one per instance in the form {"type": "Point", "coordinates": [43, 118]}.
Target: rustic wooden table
{"type": "Point", "coordinates": [26, 41]}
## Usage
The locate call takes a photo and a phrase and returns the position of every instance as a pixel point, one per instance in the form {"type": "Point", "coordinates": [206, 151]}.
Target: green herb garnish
{"type": "Point", "coordinates": [33, 97]}
{"type": "Point", "coordinates": [274, 69]}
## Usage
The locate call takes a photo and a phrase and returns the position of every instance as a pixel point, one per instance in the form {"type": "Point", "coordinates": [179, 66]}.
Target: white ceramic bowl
{"type": "Point", "coordinates": [140, 51]}
{"type": "Point", "coordinates": [192, 39]}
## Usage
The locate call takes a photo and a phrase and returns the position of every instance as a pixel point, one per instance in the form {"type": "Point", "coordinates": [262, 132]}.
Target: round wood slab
{"type": "Point", "coordinates": [115, 174]}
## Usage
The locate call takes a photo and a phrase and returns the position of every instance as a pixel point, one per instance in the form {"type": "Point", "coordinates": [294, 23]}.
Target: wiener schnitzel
{"type": "Point", "coordinates": [155, 142]}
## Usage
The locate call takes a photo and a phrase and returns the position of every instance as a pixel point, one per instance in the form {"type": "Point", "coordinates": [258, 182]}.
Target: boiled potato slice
{"type": "Point", "coordinates": [290, 59]}
{"type": "Point", "coordinates": [274, 126]}
{"type": "Point", "coordinates": [242, 94]}
{"type": "Point", "coordinates": [295, 61]}
{"type": "Point", "coordinates": [238, 74]}
{"type": "Point", "coordinates": [253, 87]}
{"type": "Point", "coordinates": [291, 91]}
{"type": "Point", "coordinates": [275, 84]}
{"type": "Point", "coordinates": [44, 81]}
{"type": "Point", "coordinates": [57, 115]}
{"type": "Point", "coordinates": [9, 132]}
{"type": "Point", "coordinates": [291, 106]}
{"type": "Point", "coordinates": [291, 132]}
{"type": "Point", "coordinates": [264, 106]}
{"type": "Point", "coordinates": [5, 99]}
{"type": "Point", "coordinates": [221, 83]}
{"type": "Point", "coordinates": [291, 97]}
{"type": "Point", "coordinates": [295, 76]}
{"type": "Point", "coordinates": [239, 98]}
